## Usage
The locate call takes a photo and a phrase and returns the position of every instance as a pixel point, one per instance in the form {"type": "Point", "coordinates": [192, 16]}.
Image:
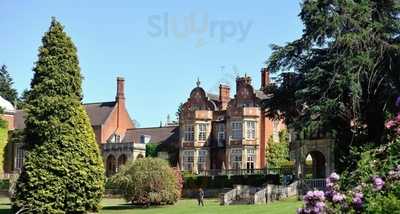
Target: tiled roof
{"type": "Point", "coordinates": [99, 112]}
{"type": "Point", "coordinates": [158, 135]}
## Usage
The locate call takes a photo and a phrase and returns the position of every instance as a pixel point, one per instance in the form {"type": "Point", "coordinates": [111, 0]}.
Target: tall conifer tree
{"type": "Point", "coordinates": [6, 85]}
{"type": "Point", "coordinates": [63, 170]}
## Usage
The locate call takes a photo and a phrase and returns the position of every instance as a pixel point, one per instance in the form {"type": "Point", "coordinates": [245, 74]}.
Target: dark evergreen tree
{"type": "Point", "coordinates": [63, 170]}
{"type": "Point", "coordinates": [6, 85]}
{"type": "Point", "coordinates": [22, 99]}
{"type": "Point", "coordinates": [344, 71]}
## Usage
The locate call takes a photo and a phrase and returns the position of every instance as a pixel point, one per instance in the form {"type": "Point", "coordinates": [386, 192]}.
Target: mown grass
{"type": "Point", "coordinates": [188, 206]}
{"type": "Point", "coordinates": [111, 206]}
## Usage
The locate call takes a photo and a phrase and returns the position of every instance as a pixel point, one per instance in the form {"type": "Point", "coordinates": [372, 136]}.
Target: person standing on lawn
{"type": "Point", "coordinates": [200, 197]}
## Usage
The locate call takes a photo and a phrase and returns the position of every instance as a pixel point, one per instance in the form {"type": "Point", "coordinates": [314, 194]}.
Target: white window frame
{"type": "Point", "coordinates": [188, 160]}
{"type": "Point", "coordinates": [237, 130]}
{"type": "Point", "coordinates": [251, 155]}
{"type": "Point", "coordinates": [236, 158]}
{"type": "Point", "coordinates": [188, 133]}
{"type": "Point", "coordinates": [202, 127]}
{"type": "Point", "coordinates": [202, 160]}
{"type": "Point", "coordinates": [251, 127]}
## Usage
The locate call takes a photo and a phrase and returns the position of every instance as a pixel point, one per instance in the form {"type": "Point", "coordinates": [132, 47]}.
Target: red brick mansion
{"type": "Point", "coordinates": [219, 132]}
{"type": "Point", "coordinates": [214, 132]}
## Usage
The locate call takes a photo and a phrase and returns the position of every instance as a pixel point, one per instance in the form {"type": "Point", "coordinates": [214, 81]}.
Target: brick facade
{"type": "Point", "coordinates": [219, 132]}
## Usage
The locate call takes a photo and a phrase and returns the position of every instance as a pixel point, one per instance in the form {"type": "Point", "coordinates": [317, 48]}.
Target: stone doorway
{"type": "Point", "coordinates": [315, 165]}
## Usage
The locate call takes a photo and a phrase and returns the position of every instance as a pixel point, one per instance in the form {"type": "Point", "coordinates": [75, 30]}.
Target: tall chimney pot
{"type": "Point", "coordinates": [224, 95]}
{"type": "Point", "coordinates": [120, 88]}
{"type": "Point", "coordinates": [264, 77]}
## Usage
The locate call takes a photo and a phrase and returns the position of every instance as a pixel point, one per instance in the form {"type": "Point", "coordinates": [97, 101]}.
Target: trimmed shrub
{"type": "Point", "coordinates": [148, 181]}
{"type": "Point", "coordinates": [63, 171]}
{"type": "Point", "coordinates": [3, 144]}
{"type": "Point", "coordinates": [224, 181]}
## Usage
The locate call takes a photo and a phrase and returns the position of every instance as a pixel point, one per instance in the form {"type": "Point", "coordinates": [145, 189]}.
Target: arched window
{"type": "Point", "coordinates": [121, 161]}
{"type": "Point", "coordinates": [111, 165]}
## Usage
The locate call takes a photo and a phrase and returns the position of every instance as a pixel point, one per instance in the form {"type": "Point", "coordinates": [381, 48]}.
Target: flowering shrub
{"type": "Point", "coordinates": [313, 202]}
{"type": "Point", "coordinates": [148, 181]}
{"type": "Point", "coordinates": [374, 187]}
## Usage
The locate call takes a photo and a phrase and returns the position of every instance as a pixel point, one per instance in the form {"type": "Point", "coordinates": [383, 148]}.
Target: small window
{"type": "Point", "coordinates": [145, 139]}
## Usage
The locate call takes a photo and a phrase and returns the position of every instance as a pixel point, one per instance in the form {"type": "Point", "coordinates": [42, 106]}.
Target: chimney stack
{"type": "Point", "coordinates": [224, 95]}
{"type": "Point", "coordinates": [264, 77]}
{"type": "Point", "coordinates": [120, 89]}
{"type": "Point", "coordinates": [242, 82]}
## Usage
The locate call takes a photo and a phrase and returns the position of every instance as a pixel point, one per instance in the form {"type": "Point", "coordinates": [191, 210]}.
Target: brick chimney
{"type": "Point", "coordinates": [242, 82]}
{"type": "Point", "coordinates": [120, 89]}
{"type": "Point", "coordinates": [120, 99]}
{"type": "Point", "coordinates": [264, 77]}
{"type": "Point", "coordinates": [224, 95]}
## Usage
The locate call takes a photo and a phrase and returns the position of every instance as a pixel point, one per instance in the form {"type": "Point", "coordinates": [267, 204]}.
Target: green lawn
{"type": "Point", "coordinates": [119, 206]}
{"type": "Point", "coordinates": [211, 206]}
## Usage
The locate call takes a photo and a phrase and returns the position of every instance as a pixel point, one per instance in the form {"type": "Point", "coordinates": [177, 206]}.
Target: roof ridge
{"type": "Point", "coordinates": [155, 127]}
{"type": "Point", "coordinates": [99, 102]}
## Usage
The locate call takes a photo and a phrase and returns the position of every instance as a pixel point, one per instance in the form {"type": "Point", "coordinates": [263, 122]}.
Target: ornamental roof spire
{"type": "Point", "coordinates": [198, 82]}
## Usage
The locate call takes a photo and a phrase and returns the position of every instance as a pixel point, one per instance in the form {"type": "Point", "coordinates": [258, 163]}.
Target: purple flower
{"type": "Point", "coordinates": [398, 102]}
{"type": "Point", "coordinates": [319, 195]}
{"type": "Point", "coordinates": [334, 177]}
{"type": "Point", "coordinates": [358, 200]}
{"type": "Point", "coordinates": [359, 195]}
{"type": "Point", "coordinates": [378, 183]}
{"type": "Point", "coordinates": [320, 205]}
{"type": "Point", "coordinates": [337, 197]}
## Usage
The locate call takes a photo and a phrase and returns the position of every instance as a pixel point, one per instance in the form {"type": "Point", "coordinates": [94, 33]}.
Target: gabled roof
{"type": "Point", "coordinates": [99, 112]}
{"type": "Point", "coordinates": [158, 135]}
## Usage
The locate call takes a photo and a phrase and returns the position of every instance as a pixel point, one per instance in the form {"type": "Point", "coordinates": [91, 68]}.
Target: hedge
{"type": "Point", "coordinates": [224, 181]}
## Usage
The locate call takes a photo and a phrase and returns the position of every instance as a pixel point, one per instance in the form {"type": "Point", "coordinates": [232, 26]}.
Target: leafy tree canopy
{"type": "Point", "coordinates": [342, 74]}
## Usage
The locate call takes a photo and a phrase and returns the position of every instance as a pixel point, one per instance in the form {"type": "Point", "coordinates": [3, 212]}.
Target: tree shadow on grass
{"type": "Point", "coordinates": [129, 207]}
{"type": "Point", "coordinates": [5, 211]}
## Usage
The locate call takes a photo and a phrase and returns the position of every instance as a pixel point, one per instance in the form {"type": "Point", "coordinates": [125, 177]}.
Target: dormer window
{"type": "Point", "coordinates": [145, 139]}
{"type": "Point", "coordinates": [114, 139]}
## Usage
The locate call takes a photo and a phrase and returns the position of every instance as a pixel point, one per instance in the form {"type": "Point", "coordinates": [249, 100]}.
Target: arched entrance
{"type": "Point", "coordinates": [111, 165]}
{"type": "Point", "coordinates": [314, 165]}
{"type": "Point", "coordinates": [121, 160]}
{"type": "Point", "coordinates": [139, 156]}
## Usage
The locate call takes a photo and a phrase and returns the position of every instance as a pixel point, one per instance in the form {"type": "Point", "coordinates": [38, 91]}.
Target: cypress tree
{"type": "Point", "coordinates": [63, 170]}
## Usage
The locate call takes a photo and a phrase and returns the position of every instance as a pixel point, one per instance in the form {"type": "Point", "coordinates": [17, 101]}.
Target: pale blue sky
{"type": "Point", "coordinates": [160, 64]}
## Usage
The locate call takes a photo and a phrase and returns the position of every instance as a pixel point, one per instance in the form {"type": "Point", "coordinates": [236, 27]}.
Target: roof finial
{"type": "Point", "coordinates": [198, 82]}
